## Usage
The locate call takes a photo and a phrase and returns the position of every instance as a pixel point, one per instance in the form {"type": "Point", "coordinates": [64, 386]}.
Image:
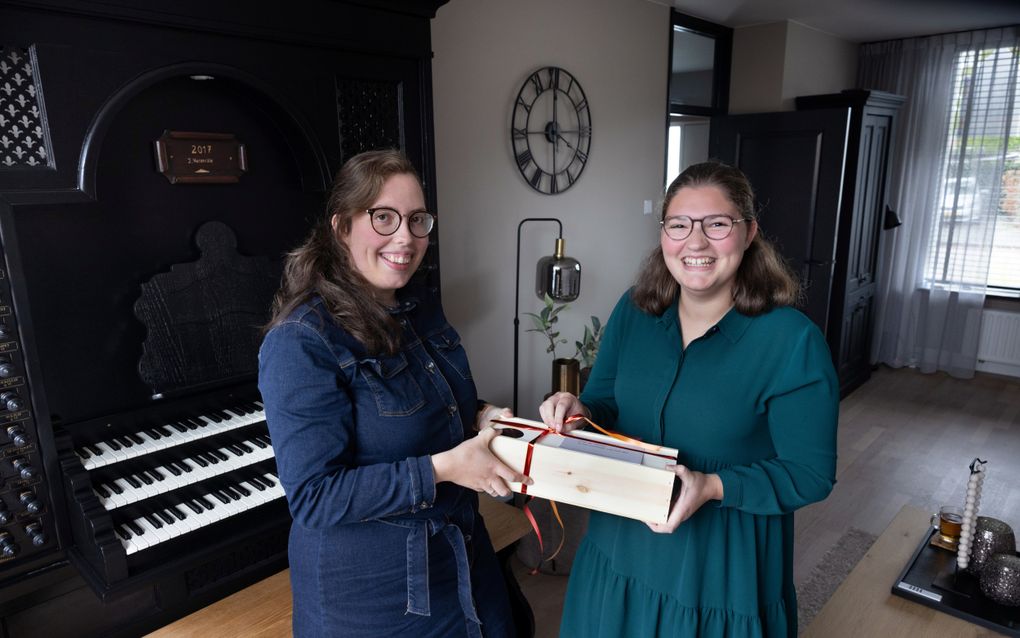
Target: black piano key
{"type": "Point", "coordinates": [155, 522]}
{"type": "Point", "coordinates": [159, 476]}
{"type": "Point", "coordinates": [178, 512]}
{"type": "Point", "coordinates": [180, 428]}
{"type": "Point", "coordinates": [166, 518]}
{"type": "Point", "coordinates": [234, 449]}
{"type": "Point", "coordinates": [269, 480]}
{"type": "Point", "coordinates": [212, 416]}
{"type": "Point", "coordinates": [234, 413]}
{"type": "Point", "coordinates": [184, 465]}
{"type": "Point", "coordinates": [248, 449]}
{"type": "Point", "coordinates": [198, 423]}
{"type": "Point", "coordinates": [233, 493]}
{"type": "Point", "coordinates": [154, 434]}
{"type": "Point", "coordinates": [137, 439]}
{"type": "Point", "coordinates": [242, 489]}
{"type": "Point", "coordinates": [93, 449]}
{"type": "Point", "coordinates": [188, 423]}
{"type": "Point", "coordinates": [197, 458]}
{"type": "Point", "coordinates": [116, 488]}
{"type": "Point", "coordinates": [257, 484]}
{"type": "Point", "coordinates": [193, 505]}
{"type": "Point", "coordinates": [123, 532]}
{"type": "Point", "coordinates": [134, 527]}
{"type": "Point", "coordinates": [205, 502]}
{"type": "Point", "coordinates": [219, 496]}
{"type": "Point", "coordinates": [259, 442]}
{"type": "Point", "coordinates": [113, 444]}
{"type": "Point", "coordinates": [135, 483]}
{"type": "Point", "coordinates": [102, 491]}
{"type": "Point", "coordinates": [143, 477]}
{"type": "Point", "coordinates": [83, 453]}
{"type": "Point", "coordinates": [125, 442]}
{"type": "Point", "coordinates": [172, 468]}
{"type": "Point", "coordinates": [220, 455]}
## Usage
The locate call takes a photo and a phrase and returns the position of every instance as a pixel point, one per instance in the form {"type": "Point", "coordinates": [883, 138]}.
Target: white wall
{"type": "Point", "coordinates": [774, 63]}
{"type": "Point", "coordinates": [484, 50]}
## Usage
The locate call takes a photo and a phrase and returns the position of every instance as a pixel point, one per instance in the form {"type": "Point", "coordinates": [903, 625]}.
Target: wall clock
{"type": "Point", "coordinates": [551, 130]}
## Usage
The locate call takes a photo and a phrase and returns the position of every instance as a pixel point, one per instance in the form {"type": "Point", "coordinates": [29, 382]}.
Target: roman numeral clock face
{"type": "Point", "coordinates": [551, 130]}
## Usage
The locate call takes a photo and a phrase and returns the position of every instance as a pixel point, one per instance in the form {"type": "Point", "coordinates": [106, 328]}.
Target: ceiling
{"type": "Point", "coordinates": [860, 20]}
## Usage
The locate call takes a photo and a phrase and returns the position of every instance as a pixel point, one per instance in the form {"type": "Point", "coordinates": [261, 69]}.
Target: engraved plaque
{"type": "Point", "coordinates": [202, 158]}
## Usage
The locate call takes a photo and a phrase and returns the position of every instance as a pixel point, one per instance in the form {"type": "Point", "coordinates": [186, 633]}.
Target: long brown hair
{"type": "Point", "coordinates": [763, 280]}
{"type": "Point", "coordinates": [323, 266]}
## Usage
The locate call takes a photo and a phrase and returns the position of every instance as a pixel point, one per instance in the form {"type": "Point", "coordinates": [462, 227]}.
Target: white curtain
{"type": "Point", "coordinates": [934, 271]}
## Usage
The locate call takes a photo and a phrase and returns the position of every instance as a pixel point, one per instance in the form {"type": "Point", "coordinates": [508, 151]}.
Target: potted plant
{"type": "Point", "coordinates": [588, 348]}
{"type": "Point", "coordinates": [565, 371]}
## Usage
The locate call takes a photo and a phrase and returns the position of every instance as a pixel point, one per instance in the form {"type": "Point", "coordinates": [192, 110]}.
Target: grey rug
{"type": "Point", "coordinates": [827, 575]}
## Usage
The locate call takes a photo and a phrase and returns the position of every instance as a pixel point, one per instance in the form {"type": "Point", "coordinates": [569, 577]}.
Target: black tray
{"type": "Point", "coordinates": [930, 578]}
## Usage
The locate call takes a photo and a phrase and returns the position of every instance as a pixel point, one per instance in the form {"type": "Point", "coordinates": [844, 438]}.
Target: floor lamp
{"type": "Point", "coordinates": [557, 275]}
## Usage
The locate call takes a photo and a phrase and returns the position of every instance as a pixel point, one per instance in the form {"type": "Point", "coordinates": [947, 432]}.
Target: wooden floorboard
{"type": "Point", "coordinates": [904, 438]}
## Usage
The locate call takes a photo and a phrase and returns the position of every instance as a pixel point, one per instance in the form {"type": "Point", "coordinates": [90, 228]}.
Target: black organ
{"type": "Point", "coordinates": [137, 479]}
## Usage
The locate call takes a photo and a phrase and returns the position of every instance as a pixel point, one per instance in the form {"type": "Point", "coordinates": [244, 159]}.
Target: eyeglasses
{"type": "Point", "coordinates": [386, 221]}
{"type": "Point", "coordinates": [714, 226]}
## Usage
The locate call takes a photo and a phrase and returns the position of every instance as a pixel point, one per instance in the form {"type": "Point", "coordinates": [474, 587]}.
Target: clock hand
{"type": "Point", "coordinates": [569, 145]}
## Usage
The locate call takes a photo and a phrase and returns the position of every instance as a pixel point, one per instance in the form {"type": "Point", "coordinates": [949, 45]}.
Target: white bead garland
{"type": "Point", "coordinates": [970, 510]}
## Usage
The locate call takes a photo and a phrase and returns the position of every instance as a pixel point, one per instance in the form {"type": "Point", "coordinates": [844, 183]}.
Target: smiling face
{"type": "Point", "coordinates": [706, 269]}
{"type": "Point", "coordinates": [387, 261]}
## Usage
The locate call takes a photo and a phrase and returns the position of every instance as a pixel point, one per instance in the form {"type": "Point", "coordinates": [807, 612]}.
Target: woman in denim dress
{"type": "Point", "coordinates": [373, 415]}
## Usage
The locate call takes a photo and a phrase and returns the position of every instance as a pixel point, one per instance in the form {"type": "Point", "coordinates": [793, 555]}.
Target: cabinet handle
{"type": "Point", "coordinates": [891, 219]}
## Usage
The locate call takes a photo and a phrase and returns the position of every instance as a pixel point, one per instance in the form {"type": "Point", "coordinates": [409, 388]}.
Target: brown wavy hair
{"type": "Point", "coordinates": [323, 265]}
{"type": "Point", "coordinates": [763, 281]}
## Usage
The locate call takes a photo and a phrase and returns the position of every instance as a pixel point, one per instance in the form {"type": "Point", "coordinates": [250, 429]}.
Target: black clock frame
{"type": "Point", "coordinates": [527, 141]}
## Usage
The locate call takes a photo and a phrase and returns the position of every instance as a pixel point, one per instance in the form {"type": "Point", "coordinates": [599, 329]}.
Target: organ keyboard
{"type": "Point", "coordinates": [151, 487]}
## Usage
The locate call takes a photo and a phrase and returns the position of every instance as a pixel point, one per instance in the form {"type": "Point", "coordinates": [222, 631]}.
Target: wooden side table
{"type": "Point", "coordinates": [863, 605]}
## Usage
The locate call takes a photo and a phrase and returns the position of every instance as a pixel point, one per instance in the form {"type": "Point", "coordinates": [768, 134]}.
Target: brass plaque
{"type": "Point", "coordinates": [200, 158]}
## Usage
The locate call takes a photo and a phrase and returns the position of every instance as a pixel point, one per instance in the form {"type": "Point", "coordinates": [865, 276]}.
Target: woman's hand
{"type": "Point", "coordinates": [472, 465]}
{"type": "Point", "coordinates": [696, 489]}
{"type": "Point", "coordinates": [490, 412]}
{"type": "Point", "coordinates": [560, 406]}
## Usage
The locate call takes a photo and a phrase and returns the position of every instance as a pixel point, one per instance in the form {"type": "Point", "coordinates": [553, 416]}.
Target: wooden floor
{"type": "Point", "coordinates": [904, 438]}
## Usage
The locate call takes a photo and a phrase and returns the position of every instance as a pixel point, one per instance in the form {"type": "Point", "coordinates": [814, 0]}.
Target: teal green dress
{"type": "Point", "coordinates": [755, 400]}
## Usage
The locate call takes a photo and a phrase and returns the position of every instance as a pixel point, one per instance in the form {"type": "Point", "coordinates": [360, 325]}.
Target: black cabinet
{"type": "Point", "coordinates": [821, 175]}
{"type": "Point", "coordinates": [862, 211]}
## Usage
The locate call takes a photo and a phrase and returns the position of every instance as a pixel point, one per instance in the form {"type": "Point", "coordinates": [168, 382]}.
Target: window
{"type": "Point", "coordinates": [698, 87]}
{"type": "Point", "coordinates": [976, 229]}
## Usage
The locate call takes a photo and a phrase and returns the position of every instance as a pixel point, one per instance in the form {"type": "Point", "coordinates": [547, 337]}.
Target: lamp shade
{"type": "Point", "coordinates": [558, 276]}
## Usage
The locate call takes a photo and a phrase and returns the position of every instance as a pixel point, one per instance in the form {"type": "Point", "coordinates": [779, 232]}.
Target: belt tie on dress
{"type": "Point", "coordinates": [418, 568]}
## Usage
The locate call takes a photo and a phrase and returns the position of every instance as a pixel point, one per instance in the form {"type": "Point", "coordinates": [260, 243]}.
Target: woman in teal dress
{"type": "Point", "coordinates": [705, 354]}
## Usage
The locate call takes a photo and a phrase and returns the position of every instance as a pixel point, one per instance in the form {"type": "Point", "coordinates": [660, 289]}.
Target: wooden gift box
{"type": "Point", "coordinates": [589, 470]}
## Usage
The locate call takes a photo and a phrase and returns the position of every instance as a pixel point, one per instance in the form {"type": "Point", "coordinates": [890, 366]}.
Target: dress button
{"type": "Point", "coordinates": [452, 409]}
{"type": "Point", "coordinates": [467, 538]}
{"type": "Point", "coordinates": [430, 366]}
{"type": "Point", "coordinates": [424, 505]}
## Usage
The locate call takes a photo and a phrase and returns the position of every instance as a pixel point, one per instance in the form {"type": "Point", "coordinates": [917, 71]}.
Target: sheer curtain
{"type": "Point", "coordinates": [951, 147]}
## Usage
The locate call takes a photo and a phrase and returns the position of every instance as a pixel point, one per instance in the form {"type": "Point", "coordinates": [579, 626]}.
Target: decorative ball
{"type": "Point", "coordinates": [1000, 579]}
{"type": "Point", "coordinates": [991, 537]}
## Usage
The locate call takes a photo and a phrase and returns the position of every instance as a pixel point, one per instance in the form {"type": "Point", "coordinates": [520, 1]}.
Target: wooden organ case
{"type": "Point", "coordinates": [156, 163]}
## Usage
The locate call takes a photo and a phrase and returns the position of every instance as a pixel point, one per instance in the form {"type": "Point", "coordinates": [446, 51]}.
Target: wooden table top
{"type": "Point", "coordinates": [263, 610]}
{"type": "Point", "coordinates": [863, 605]}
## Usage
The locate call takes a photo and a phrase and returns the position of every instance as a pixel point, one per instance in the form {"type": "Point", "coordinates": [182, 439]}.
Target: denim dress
{"type": "Point", "coordinates": [376, 547]}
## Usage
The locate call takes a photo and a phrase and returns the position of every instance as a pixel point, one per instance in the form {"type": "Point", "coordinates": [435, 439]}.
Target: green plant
{"type": "Point", "coordinates": [545, 322]}
{"type": "Point", "coordinates": [588, 346]}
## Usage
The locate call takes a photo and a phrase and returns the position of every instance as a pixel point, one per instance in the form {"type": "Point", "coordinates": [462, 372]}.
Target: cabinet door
{"type": "Point", "coordinates": [795, 163]}
{"type": "Point", "coordinates": [862, 256]}
{"type": "Point", "coordinates": [852, 313]}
